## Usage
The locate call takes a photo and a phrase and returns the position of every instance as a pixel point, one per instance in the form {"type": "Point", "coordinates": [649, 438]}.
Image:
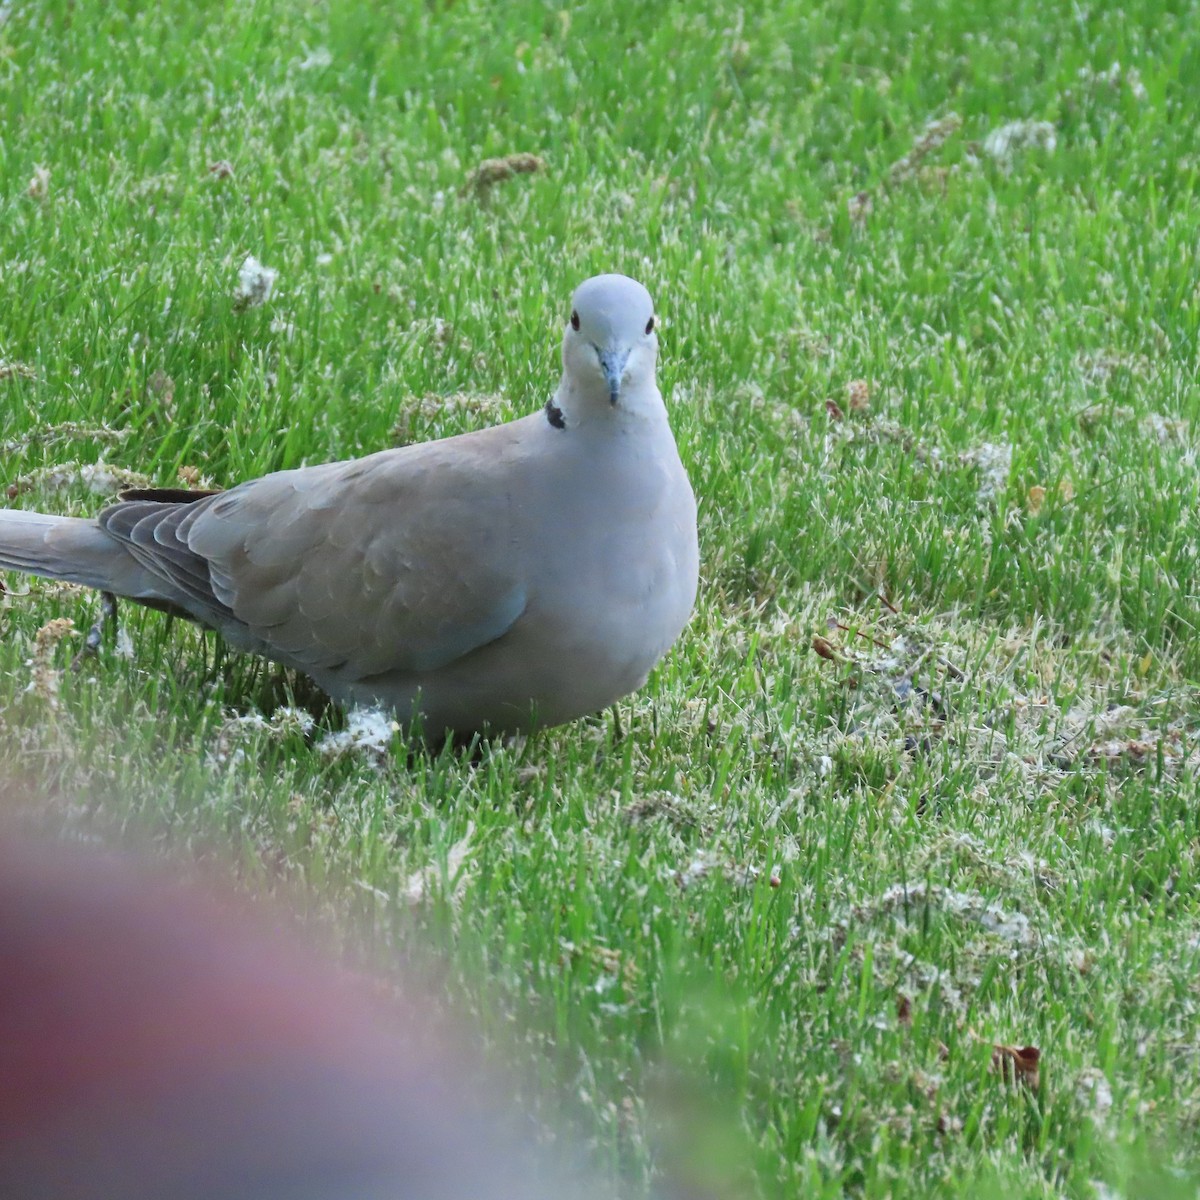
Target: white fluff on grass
{"type": "Point", "coordinates": [1003, 144]}
{"type": "Point", "coordinates": [317, 60]}
{"type": "Point", "coordinates": [994, 462]}
{"type": "Point", "coordinates": [368, 731]}
{"type": "Point", "coordinates": [255, 283]}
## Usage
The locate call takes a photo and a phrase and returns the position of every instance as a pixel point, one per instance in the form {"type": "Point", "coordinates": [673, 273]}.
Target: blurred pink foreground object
{"type": "Point", "coordinates": [157, 1045]}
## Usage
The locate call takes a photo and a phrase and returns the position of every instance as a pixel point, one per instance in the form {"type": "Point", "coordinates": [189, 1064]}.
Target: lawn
{"type": "Point", "coordinates": [917, 788]}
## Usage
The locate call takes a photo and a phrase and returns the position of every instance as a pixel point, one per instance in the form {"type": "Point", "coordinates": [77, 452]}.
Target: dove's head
{"type": "Point", "coordinates": [609, 345]}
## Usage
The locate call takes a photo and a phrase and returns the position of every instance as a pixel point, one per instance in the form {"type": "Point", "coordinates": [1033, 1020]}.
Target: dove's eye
{"type": "Point", "coordinates": [650, 325]}
{"type": "Point", "coordinates": [575, 321]}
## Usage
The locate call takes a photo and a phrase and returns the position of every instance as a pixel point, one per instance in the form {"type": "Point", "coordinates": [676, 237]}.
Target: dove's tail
{"type": "Point", "coordinates": [71, 549]}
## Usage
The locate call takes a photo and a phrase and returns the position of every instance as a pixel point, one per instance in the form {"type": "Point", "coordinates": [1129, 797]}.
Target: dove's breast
{"type": "Point", "coordinates": [597, 534]}
{"type": "Point", "coordinates": [622, 582]}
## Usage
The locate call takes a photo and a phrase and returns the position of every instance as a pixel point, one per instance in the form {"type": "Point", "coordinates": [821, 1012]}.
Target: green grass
{"type": "Point", "coordinates": [696, 925]}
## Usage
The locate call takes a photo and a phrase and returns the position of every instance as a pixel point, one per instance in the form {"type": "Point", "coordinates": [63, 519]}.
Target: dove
{"type": "Point", "coordinates": [521, 575]}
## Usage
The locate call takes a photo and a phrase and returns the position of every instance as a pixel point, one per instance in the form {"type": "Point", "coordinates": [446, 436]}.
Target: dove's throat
{"type": "Point", "coordinates": [593, 404]}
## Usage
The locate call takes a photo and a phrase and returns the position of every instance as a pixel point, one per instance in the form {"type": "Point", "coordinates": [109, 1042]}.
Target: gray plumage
{"type": "Point", "coordinates": [532, 571]}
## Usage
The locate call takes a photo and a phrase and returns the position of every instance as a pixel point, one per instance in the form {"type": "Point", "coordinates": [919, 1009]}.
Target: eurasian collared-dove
{"type": "Point", "coordinates": [528, 573]}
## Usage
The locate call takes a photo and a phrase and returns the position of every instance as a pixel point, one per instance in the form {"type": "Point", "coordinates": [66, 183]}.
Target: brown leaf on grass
{"type": "Point", "coordinates": [903, 1009]}
{"type": "Point", "coordinates": [825, 649]}
{"type": "Point", "coordinates": [834, 410]}
{"type": "Point", "coordinates": [221, 170]}
{"type": "Point", "coordinates": [859, 206]}
{"type": "Point", "coordinates": [858, 395]}
{"type": "Point", "coordinates": [1017, 1064]}
{"type": "Point", "coordinates": [1036, 496]}
{"type": "Point", "coordinates": [497, 170]}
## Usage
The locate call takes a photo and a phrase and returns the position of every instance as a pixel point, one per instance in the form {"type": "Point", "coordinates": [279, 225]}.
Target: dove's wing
{"type": "Point", "coordinates": [402, 561]}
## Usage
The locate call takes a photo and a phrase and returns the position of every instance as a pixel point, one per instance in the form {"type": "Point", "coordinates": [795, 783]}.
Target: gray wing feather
{"type": "Point", "coordinates": [151, 531]}
{"type": "Point", "coordinates": [396, 562]}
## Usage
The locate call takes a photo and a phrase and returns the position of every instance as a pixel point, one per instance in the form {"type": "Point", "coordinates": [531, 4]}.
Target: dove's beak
{"type": "Point", "coordinates": [612, 363]}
